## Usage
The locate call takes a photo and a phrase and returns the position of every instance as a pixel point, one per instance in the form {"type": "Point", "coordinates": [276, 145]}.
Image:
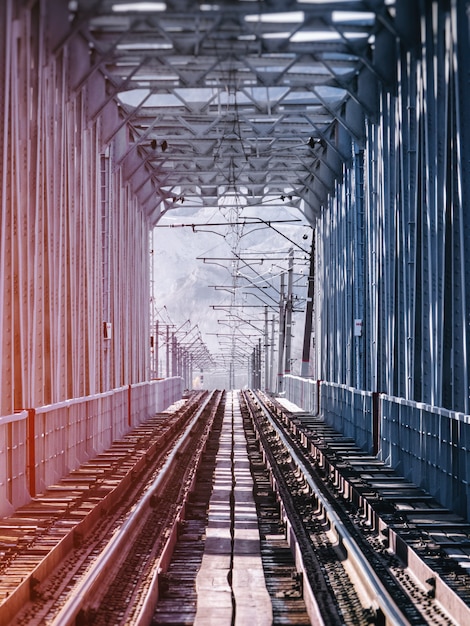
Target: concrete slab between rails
{"type": "Point", "coordinates": [230, 583]}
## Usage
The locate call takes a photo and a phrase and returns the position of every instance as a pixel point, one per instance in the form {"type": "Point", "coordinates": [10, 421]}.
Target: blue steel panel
{"type": "Point", "coordinates": [373, 248]}
{"type": "Point", "coordinates": [393, 241]}
{"type": "Point", "coordinates": [461, 54]}
{"type": "Point", "coordinates": [359, 271]}
{"type": "Point", "coordinates": [408, 218]}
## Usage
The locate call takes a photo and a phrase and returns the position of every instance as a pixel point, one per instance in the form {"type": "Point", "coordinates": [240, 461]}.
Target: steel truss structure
{"type": "Point", "coordinates": [354, 112]}
{"type": "Point", "coordinates": [393, 243]}
{"type": "Point", "coordinates": [74, 263]}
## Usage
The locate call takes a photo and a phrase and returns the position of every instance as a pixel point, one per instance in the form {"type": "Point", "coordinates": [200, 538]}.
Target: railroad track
{"type": "Point", "coordinates": [178, 602]}
{"type": "Point", "coordinates": [325, 580]}
{"type": "Point", "coordinates": [136, 489]}
{"type": "Point", "coordinates": [283, 580]}
{"type": "Point", "coordinates": [125, 544]}
{"type": "Point", "coordinates": [354, 575]}
{"type": "Point", "coordinates": [177, 599]}
{"type": "Point", "coordinates": [135, 586]}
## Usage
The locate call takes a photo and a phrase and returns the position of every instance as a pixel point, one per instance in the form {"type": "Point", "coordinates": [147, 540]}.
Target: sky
{"type": "Point", "coordinates": [194, 279]}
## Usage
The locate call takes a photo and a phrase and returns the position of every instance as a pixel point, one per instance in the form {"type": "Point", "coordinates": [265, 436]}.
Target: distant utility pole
{"type": "Point", "coordinates": [168, 351]}
{"type": "Point", "coordinates": [288, 334]}
{"type": "Point", "coordinates": [282, 330]}
{"type": "Point", "coordinates": [266, 351]}
{"type": "Point", "coordinates": [156, 350]}
{"type": "Point", "coordinates": [271, 361]}
{"type": "Point", "coordinates": [309, 313]}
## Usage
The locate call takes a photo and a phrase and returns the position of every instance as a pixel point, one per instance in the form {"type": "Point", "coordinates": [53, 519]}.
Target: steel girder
{"type": "Point", "coordinates": [264, 99]}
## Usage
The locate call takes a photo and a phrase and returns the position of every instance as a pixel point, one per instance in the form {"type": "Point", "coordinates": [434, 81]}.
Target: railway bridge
{"type": "Point", "coordinates": [260, 202]}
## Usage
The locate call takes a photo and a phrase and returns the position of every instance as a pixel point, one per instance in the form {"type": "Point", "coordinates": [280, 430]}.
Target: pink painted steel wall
{"type": "Point", "coordinates": [73, 235]}
{"type": "Point", "coordinates": [40, 446]}
{"type": "Point", "coordinates": [74, 258]}
{"type": "Point", "coordinates": [13, 461]}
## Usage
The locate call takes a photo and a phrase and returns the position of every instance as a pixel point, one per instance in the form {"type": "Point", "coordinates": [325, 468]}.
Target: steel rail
{"type": "Point", "coordinates": [119, 544]}
{"type": "Point", "coordinates": [360, 563]}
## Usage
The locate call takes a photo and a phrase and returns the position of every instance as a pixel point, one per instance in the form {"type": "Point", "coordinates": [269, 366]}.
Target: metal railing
{"type": "Point", "coordinates": [38, 446]}
{"type": "Point", "coordinates": [426, 444]}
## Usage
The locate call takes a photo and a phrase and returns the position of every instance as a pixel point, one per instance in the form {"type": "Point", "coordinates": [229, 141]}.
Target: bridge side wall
{"type": "Point", "coordinates": [392, 244]}
{"type": "Point", "coordinates": [74, 236]}
{"type": "Point", "coordinates": [40, 446]}
{"type": "Point", "coordinates": [427, 445]}
{"type": "Point", "coordinates": [391, 325]}
{"type": "Point", "coordinates": [348, 410]}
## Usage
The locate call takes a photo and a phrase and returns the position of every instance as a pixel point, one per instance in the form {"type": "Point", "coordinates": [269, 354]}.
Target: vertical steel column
{"type": "Point", "coordinates": [321, 319]}
{"type": "Point", "coordinates": [157, 350]}
{"type": "Point", "coordinates": [347, 251]}
{"type": "Point", "coordinates": [409, 195]}
{"type": "Point", "coordinates": [7, 37]}
{"type": "Point", "coordinates": [359, 277]}
{"type": "Point", "coordinates": [331, 291]}
{"type": "Point", "coordinates": [309, 312]}
{"type": "Point", "coordinates": [371, 222]}
{"type": "Point", "coordinates": [105, 246]}
{"type": "Point", "coordinates": [316, 322]}
{"type": "Point", "coordinates": [388, 209]}
{"type": "Point", "coordinates": [174, 355]}
{"type": "Point", "coordinates": [288, 334]}
{"type": "Point", "coordinates": [461, 185]}
{"type": "Point", "coordinates": [432, 224]}
{"type": "Point", "coordinates": [260, 360]}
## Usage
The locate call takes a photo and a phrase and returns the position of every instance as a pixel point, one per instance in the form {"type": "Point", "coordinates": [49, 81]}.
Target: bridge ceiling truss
{"type": "Point", "coordinates": [258, 99]}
